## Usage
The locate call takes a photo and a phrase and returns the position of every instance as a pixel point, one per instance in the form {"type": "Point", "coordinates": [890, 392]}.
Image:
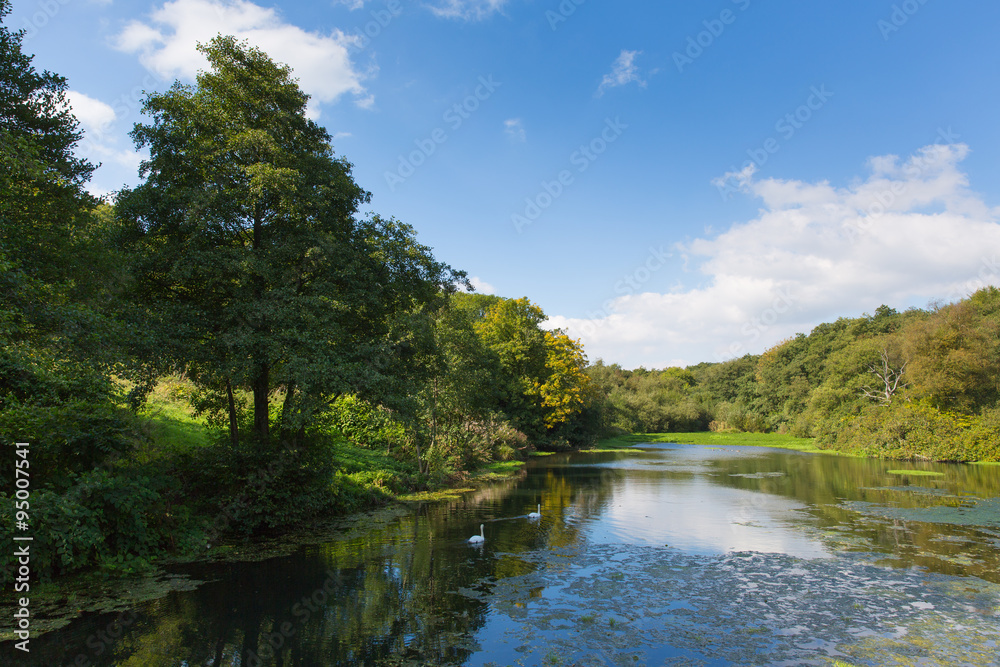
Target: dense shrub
{"type": "Point", "coordinates": [118, 520]}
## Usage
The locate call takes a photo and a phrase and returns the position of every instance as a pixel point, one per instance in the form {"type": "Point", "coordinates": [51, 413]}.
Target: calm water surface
{"type": "Point", "coordinates": [675, 555]}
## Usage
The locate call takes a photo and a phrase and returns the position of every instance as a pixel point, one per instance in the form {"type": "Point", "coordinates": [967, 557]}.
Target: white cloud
{"type": "Point", "coordinates": [100, 143]}
{"type": "Point", "coordinates": [350, 4]}
{"type": "Point", "coordinates": [468, 10]}
{"type": "Point", "coordinates": [514, 129]}
{"type": "Point", "coordinates": [94, 115]}
{"type": "Point", "coordinates": [910, 232]}
{"type": "Point", "coordinates": [166, 45]}
{"type": "Point", "coordinates": [623, 72]}
{"type": "Point", "coordinates": [482, 286]}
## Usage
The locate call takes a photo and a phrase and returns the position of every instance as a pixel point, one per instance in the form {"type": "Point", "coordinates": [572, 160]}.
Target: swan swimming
{"type": "Point", "coordinates": [480, 538]}
{"type": "Point", "coordinates": [536, 515]}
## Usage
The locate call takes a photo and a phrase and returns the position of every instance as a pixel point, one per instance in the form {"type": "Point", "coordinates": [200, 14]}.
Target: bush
{"type": "Point", "coordinates": [66, 439]}
{"type": "Point", "coordinates": [366, 424]}
{"type": "Point", "coordinates": [918, 430]}
{"type": "Point", "coordinates": [119, 520]}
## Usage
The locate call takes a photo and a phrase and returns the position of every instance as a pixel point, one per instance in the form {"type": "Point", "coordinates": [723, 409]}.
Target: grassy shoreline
{"type": "Point", "coordinates": [775, 440]}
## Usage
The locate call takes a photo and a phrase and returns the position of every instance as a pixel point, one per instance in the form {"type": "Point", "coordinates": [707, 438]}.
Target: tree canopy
{"type": "Point", "coordinates": [249, 261]}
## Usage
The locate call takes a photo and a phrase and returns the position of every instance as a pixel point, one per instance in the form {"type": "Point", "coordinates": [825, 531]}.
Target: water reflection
{"type": "Point", "coordinates": [408, 589]}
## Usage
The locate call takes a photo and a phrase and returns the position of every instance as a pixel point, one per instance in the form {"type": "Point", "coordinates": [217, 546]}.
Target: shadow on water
{"type": "Point", "coordinates": [638, 558]}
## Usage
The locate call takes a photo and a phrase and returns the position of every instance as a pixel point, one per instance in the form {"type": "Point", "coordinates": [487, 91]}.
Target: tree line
{"type": "Point", "coordinates": [919, 384]}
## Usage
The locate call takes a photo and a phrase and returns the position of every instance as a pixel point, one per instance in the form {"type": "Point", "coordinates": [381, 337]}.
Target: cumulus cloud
{"type": "Point", "coordinates": [166, 45]}
{"type": "Point", "coordinates": [100, 144]}
{"type": "Point", "coordinates": [910, 232]}
{"type": "Point", "coordinates": [514, 128]}
{"type": "Point", "coordinates": [623, 72]}
{"type": "Point", "coordinates": [94, 115]}
{"type": "Point", "coordinates": [467, 10]}
{"type": "Point", "coordinates": [482, 286]}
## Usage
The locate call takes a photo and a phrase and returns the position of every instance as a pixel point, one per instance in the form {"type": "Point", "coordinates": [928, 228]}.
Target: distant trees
{"type": "Point", "coordinates": [496, 383]}
{"type": "Point", "coordinates": [918, 384]}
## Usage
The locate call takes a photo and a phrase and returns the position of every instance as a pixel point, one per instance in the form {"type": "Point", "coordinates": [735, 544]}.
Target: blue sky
{"type": "Point", "coordinates": [672, 182]}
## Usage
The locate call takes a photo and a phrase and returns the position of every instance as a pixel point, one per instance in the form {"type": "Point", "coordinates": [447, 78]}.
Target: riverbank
{"type": "Point", "coordinates": [776, 440]}
{"type": "Point", "coordinates": [58, 602]}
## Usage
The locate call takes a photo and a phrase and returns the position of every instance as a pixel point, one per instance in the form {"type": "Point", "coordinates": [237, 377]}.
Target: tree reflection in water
{"type": "Point", "coordinates": [407, 589]}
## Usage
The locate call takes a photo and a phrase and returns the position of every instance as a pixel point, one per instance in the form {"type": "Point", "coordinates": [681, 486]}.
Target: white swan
{"type": "Point", "coordinates": [536, 515]}
{"type": "Point", "coordinates": [480, 538]}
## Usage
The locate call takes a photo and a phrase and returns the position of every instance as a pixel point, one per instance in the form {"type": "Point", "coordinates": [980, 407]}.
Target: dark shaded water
{"type": "Point", "coordinates": [678, 555]}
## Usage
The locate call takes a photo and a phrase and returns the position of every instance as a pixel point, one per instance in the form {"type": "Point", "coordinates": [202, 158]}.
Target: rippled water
{"type": "Point", "coordinates": [675, 555]}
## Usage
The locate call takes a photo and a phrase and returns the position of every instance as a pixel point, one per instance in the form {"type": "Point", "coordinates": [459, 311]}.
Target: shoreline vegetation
{"type": "Point", "coordinates": [709, 438]}
{"type": "Point", "coordinates": [202, 360]}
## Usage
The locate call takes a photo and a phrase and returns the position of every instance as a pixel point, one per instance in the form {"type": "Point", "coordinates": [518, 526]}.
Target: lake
{"type": "Point", "coordinates": [670, 555]}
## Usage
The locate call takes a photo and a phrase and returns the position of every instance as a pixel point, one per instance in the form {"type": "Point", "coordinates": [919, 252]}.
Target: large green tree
{"type": "Point", "coordinates": [251, 267]}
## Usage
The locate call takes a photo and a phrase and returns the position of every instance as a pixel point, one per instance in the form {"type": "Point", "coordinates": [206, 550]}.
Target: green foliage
{"type": "Point", "coordinates": [912, 385]}
{"type": "Point", "coordinates": [57, 345]}
{"type": "Point", "coordinates": [66, 438]}
{"type": "Point", "coordinates": [920, 431]}
{"type": "Point", "coordinates": [118, 520]}
{"type": "Point", "coordinates": [250, 268]}
{"type": "Point", "coordinates": [648, 401]}
{"type": "Point", "coordinates": [369, 425]}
